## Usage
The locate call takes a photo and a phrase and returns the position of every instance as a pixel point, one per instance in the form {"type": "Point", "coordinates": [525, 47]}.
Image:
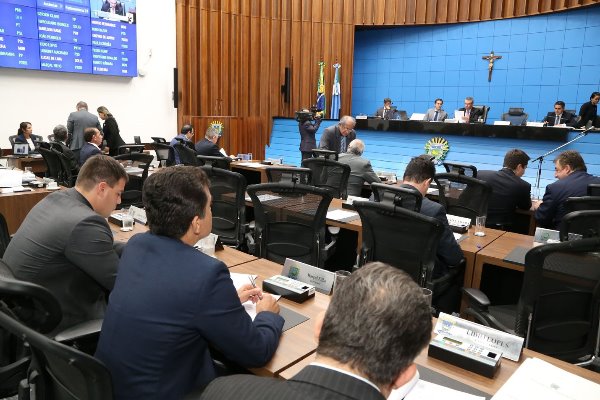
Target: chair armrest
{"type": "Point", "coordinates": [80, 331]}
{"type": "Point", "coordinates": [478, 296]}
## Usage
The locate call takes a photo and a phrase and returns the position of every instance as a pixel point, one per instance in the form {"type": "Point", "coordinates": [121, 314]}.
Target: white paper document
{"type": "Point", "coordinates": [340, 215]}
{"type": "Point", "coordinates": [251, 164]}
{"type": "Point", "coordinates": [424, 390]}
{"type": "Point", "coordinates": [537, 379]}
{"type": "Point", "coordinates": [240, 280]}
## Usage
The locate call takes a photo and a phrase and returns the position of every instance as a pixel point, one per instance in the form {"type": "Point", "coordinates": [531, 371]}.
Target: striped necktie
{"type": "Point", "coordinates": [343, 144]}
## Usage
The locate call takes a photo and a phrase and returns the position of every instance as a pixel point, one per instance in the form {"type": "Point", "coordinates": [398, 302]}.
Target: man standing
{"type": "Point", "coordinates": [93, 141]}
{"type": "Point", "coordinates": [510, 191]}
{"type": "Point", "coordinates": [208, 145]}
{"type": "Point", "coordinates": [60, 144]}
{"type": "Point", "coordinates": [386, 112]}
{"type": "Point", "coordinates": [308, 127]}
{"type": "Point", "coordinates": [338, 137]}
{"type": "Point", "coordinates": [378, 321]}
{"type": "Point", "coordinates": [436, 114]}
{"type": "Point", "coordinates": [78, 121]}
{"type": "Point", "coordinates": [472, 114]}
{"type": "Point", "coordinates": [65, 244]}
{"type": "Point", "coordinates": [185, 137]}
{"type": "Point", "coordinates": [360, 168]}
{"type": "Point", "coordinates": [573, 179]}
{"type": "Point", "coordinates": [559, 116]}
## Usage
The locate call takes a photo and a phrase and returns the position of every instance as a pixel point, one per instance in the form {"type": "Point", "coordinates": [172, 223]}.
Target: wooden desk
{"type": "Point", "coordinates": [16, 206]}
{"type": "Point", "coordinates": [37, 164]}
{"type": "Point", "coordinates": [253, 174]}
{"type": "Point", "coordinates": [496, 252]}
{"type": "Point", "coordinates": [298, 342]}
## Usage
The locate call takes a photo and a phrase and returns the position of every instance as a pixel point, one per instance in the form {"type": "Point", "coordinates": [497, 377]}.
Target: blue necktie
{"type": "Point", "coordinates": [343, 144]}
{"type": "Point", "coordinates": [435, 116]}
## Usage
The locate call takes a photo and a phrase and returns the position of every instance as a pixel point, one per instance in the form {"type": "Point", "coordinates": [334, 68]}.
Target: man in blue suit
{"type": "Point", "coordinates": [93, 141]}
{"type": "Point", "coordinates": [573, 179]}
{"type": "Point", "coordinates": [171, 302]}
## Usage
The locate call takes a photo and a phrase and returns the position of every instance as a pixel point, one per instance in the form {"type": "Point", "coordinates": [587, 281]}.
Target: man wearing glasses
{"type": "Point", "coordinates": [338, 137]}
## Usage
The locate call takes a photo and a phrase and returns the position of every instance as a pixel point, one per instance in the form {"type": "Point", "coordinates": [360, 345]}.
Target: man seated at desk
{"type": "Point", "coordinates": [172, 302]}
{"type": "Point", "coordinates": [361, 170]}
{"type": "Point", "coordinates": [559, 116]}
{"type": "Point", "coordinates": [208, 145]}
{"type": "Point", "coordinates": [436, 113]}
{"type": "Point", "coordinates": [509, 190]}
{"type": "Point", "coordinates": [338, 137]}
{"type": "Point", "coordinates": [65, 244]}
{"type": "Point", "coordinates": [387, 111]}
{"type": "Point", "coordinates": [185, 137]}
{"type": "Point", "coordinates": [93, 141]}
{"type": "Point", "coordinates": [472, 114]}
{"type": "Point", "coordinates": [351, 363]}
{"type": "Point", "coordinates": [60, 144]}
{"type": "Point", "coordinates": [573, 179]}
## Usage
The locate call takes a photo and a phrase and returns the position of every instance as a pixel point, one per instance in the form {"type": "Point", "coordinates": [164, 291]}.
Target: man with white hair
{"type": "Point", "coordinates": [208, 145]}
{"type": "Point", "coordinates": [360, 168]}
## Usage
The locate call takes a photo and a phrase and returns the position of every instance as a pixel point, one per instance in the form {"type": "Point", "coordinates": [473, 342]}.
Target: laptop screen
{"type": "Point", "coordinates": [21, 149]}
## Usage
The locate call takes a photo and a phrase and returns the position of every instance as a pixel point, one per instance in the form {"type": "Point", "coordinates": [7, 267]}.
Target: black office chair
{"type": "Point", "coordinates": [407, 198]}
{"type": "Point", "coordinates": [58, 371]}
{"type": "Point", "coordinates": [53, 166]}
{"type": "Point", "coordinates": [164, 152]}
{"type": "Point", "coordinates": [516, 116]}
{"type": "Point", "coordinates": [289, 174]}
{"type": "Point", "coordinates": [467, 197]}
{"type": "Point", "coordinates": [187, 156]}
{"type": "Point", "coordinates": [11, 139]}
{"type": "Point", "coordinates": [582, 203]}
{"type": "Point", "coordinates": [593, 189]}
{"type": "Point", "coordinates": [329, 174]}
{"type": "Point", "coordinates": [485, 110]}
{"type": "Point", "coordinates": [217, 162]}
{"type": "Point", "coordinates": [4, 235]}
{"type": "Point", "coordinates": [456, 167]}
{"type": "Point", "coordinates": [137, 140]}
{"type": "Point", "coordinates": [131, 148]}
{"type": "Point", "coordinates": [228, 191]}
{"type": "Point", "coordinates": [580, 224]}
{"type": "Point", "coordinates": [557, 312]}
{"type": "Point", "coordinates": [290, 222]}
{"type": "Point", "coordinates": [157, 139]}
{"type": "Point", "coordinates": [132, 195]}
{"type": "Point", "coordinates": [68, 177]}
{"type": "Point", "coordinates": [322, 153]}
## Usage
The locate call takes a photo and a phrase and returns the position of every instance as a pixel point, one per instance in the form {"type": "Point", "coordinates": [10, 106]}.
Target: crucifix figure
{"type": "Point", "coordinates": [491, 58]}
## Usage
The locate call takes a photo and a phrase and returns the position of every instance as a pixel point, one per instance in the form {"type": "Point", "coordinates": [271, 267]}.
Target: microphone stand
{"type": "Point", "coordinates": [541, 158]}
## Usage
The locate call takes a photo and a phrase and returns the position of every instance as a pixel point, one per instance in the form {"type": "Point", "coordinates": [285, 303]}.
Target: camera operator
{"type": "Point", "coordinates": [308, 125]}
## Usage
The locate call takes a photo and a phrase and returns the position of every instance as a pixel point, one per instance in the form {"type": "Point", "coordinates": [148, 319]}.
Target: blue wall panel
{"type": "Point", "coordinates": [545, 58]}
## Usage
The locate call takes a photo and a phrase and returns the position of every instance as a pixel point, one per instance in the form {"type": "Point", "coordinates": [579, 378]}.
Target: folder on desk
{"type": "Point", "coordinates": [517, 255]}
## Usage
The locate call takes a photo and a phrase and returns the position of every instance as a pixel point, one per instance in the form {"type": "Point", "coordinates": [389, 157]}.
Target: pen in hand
{"type": "Point", "coordinates": [253, 282]}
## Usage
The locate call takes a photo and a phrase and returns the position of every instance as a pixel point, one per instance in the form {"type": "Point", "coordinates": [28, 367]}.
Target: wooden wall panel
{"type": "Point", "coordinates": [231, 54]}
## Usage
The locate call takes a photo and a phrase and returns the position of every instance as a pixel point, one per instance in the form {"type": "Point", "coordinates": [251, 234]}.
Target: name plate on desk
{"type": "Point", "coordinates": [138, 214]}
{"type": "Point", "coordinates": [321, 279]}
{"type": "Point", "coordinates": [546, 236]}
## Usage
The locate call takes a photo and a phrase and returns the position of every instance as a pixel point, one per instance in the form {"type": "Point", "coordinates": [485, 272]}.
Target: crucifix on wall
{"type": "Point", "coordinates": [490, 59]}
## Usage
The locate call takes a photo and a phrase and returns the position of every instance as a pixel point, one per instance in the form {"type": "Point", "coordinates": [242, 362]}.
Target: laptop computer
{"type": "Point", "coordinates": [21, 150]}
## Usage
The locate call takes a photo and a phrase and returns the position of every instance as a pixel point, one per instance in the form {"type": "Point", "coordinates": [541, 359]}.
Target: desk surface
{"type": "Point", "coordinates": [15, 206]}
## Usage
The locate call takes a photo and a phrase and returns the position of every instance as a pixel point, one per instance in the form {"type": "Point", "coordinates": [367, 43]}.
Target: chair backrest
{"type": "Point", "coordinates": [585, 223]}
{"type": "Point", "coordinates": [557, 312]}
{"type": "Point", "coordinates": [329, 174]}
{"type": "Point", "coordinates": [466, 197]}
{"type": "Point", "coordinates": [132, 196]}
{"type": "Point", "coordinates": [58, 371]}
{"type": "Point", "coordinates": [11, 139]}
{"type": "Point", "coordinates": [461, 168]}
{"type": "Point", "coordinates": [322, 153]}
{"type": "Point", "coordinates": [53, 165]}
{"type": "Point", "coordinates": [228, 191]}
{"type": "Point", "coordinates": [140, 160]}
{"type": "Point", "coordinates": [398, 196]}
{"type": "Point", "coordinates": [218, 162]}
{"type": "Point", "coordinates": [402, 238]}
{"type": "Point", "coordinates": [67, 178]}
{"type": "Point", "coordinates": [158, 139]}
{"type": "Point", "coordinates": [137, 140]}
{"type": "Point", "coordinates": [4, 235]}
{"type": "Point", "coordinates": [187, 156]}
{"type": "Point", "coordinates": [289, 174]}
{"type": "Point", "coordinates": [485, 110]}
{"type": "Point", "coordinates": [516, 116]}
{"type": "Point", "coordinates": [131, 148]}
{"type": "Point", "coordinates": [164, 152]}
{"type": "Point", "coordinates": [593, 189]}
{"type": "Point", "coordinates": [582, 203]}
{"type": "Point", "coordinates": [290, 221]}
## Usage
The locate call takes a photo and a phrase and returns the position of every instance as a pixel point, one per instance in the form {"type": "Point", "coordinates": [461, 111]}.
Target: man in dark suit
{"type": "Point", "coordinates": [308, 127]}
{"type": "Point", "coordinates": [172, 302]}
{"type": "Point", "coordinates": [573, 179]}
{"type": "Point", "coordinates": [77, 123]}
{"type": "Point", "coordinates": [338, 137]}
{"type": "Point", "coordinates": [208, 145]}
{"type": "Point", "coordinates": [93, 141]}
{"type": "Point", "coordinates": [560, 116]}
{"type": "Point", "coordinates": [65, 244]}
{"type": "Point", "coordinates": [360, 168]}
{"type": "Point", "coordinates": [387, 111]}
{"type": "Point", "coordinates": [185, 137]}
{"type": "Point", "coordinates": [472, 114]}
{"type": "Point", "coordinates": [113, 7]}
{"type": "Point", "coordinates": [351, 362]}
{"type": "Point", "coordinates": [60, 144]}
{"type": "Point", "coordinates": [509, 190]}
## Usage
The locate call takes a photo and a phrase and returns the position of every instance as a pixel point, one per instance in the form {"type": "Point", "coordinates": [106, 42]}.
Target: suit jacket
{"type": "Point", "coordinates": [87, 151]}
{"type": "Point", "coordinates": [312, 382]}
{"type": "Point", "coordinates": [175, 140]}
{"type": "Point", "coordinates": [73, 160]}
{"type": "Point", "coordinates": [118, 8]}
{"type": "Point", "coordinates": [65, 246]}
{"type": "Point", "coordinates": [205, 147]}
{"type": "Point", "coordinates": [389, 114]}
{"type": "Point", "coordinates": [587, 112]}
{"type": "Point", "coordinates": [449, 252]}
{"type": "Point", "coordinates": [565, 118]}
{"type": "Point", "coordinates": [330, 139]}
{"type": "Point", "coordinates": [308, 129]}
{"type": "Point", "coordinates": [552, 210]}
{"type": "Point", "coordinates": [360, 171]}
{"type": "Point", "coordinates": [442, 115]}
{"type": "Point", "coordinates": [34, 138]}
{"type": "Point", "coordinates": [476, 113]}
{"type": "Point", "coordinates": [169, 303]}
{"type": "Point", "coordinates": [77, 122]}
{"type": "Point", "coordinates": [508, 193]}
{"type": "Point", "coordinates": [112, 136]}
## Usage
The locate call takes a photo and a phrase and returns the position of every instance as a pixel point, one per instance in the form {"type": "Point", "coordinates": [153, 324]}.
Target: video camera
{"type": "Point", "coordinates": [304, 115]}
